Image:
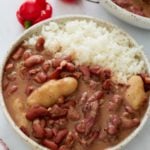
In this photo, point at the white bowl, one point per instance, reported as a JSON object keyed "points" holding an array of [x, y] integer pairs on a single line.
{"points": [[35, 29], [123, 14]]}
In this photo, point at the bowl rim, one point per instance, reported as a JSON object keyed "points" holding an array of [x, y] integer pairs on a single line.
{"points": [[113, 8], [33, 30]]}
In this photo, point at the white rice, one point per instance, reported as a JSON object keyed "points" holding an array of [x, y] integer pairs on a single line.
{"points": [[92, 44]]}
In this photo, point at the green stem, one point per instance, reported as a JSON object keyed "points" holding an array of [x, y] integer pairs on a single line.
{"points": [[27, 24]]}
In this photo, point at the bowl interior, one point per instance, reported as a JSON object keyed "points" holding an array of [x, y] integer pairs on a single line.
{"points": [[123, 14], [36, 29]]}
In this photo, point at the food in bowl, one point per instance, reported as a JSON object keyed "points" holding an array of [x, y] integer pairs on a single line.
{"points": [[139, 7], [76, 85]]}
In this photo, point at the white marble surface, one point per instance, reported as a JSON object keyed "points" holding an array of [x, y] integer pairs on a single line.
{"points": [[10, 29]]}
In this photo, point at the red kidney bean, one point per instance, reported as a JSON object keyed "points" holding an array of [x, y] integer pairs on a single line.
{"points": [[18, 54], [36, 112], [105, 74], [95, 70], [48, 133], [13, 89], [60, 136], [85, 71], [9, 67], [41, 77], [40, 44], [56, 62], [26, 54], [107, 84], [46, 66], [33, 60], [38, 130], [73, 114], [70, 67], [57, 111], [24, 130], [147, 80], [50, 144]]}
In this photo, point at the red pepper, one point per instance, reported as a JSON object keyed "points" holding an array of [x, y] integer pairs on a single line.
{"points": [[33, 11]]}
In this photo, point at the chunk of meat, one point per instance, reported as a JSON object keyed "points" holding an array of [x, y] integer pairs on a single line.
{"points": [[90, 110], [49, 93], [73, 114], [92, 102], [135, 95]]}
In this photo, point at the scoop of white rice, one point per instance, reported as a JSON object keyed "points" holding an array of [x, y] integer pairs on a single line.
{"points": [[93, 44]]}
